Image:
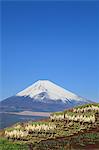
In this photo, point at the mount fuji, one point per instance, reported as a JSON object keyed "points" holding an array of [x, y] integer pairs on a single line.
{"points": [[43, 96]]}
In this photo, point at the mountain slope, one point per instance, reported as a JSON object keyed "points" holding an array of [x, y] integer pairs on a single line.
{"points": [[43, 95], [44, 89]]}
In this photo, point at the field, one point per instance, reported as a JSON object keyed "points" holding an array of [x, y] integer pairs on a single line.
{"points": [[77, 128]]}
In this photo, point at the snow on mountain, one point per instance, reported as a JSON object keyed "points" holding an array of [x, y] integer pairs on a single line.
{"points": [[44, 89], [42, 96]]}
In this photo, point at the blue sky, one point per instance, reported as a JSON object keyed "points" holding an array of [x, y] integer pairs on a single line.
{"points": [[57, 41]]}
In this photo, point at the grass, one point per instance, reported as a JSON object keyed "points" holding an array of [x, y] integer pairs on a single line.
{"points": [[93, 136], [9, 145], [73, 133], [39, 123], [87, 105]]}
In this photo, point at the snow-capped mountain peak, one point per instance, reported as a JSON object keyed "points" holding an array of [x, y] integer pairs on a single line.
{"points": [[45, 89]]}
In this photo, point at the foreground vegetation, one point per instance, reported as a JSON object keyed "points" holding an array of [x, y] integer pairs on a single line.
{"points": [[8, 145], [77, 128]]}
